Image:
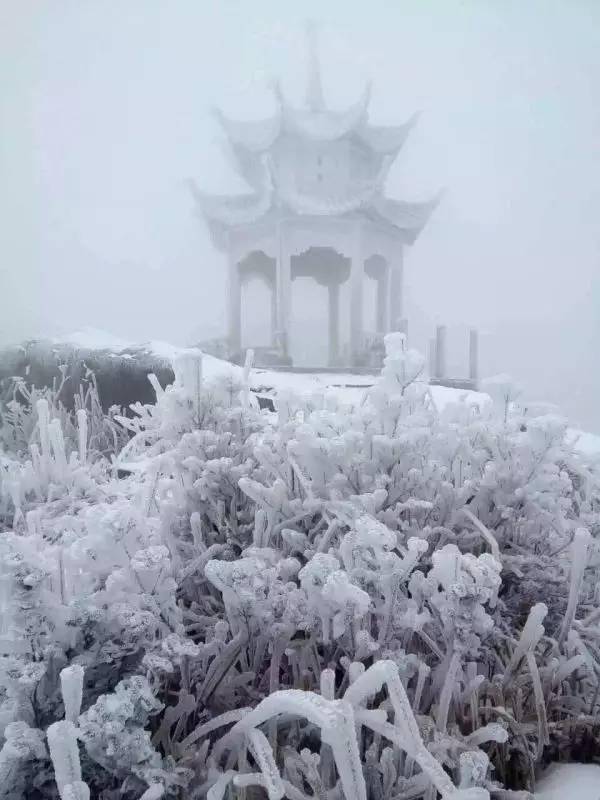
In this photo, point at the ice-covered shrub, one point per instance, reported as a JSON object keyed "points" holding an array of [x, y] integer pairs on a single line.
{"points": [[336, 601]]}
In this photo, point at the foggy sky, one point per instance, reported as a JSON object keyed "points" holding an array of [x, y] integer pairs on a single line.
{"points": [[105, 111]]}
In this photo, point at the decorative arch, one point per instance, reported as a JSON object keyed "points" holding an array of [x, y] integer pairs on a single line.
{"points": [[257, 264], [377, 269], [330, 269], [258, 276]]}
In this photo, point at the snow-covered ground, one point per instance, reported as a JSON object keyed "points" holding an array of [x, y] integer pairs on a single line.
{"points": [[350, 387], [570, 782]]}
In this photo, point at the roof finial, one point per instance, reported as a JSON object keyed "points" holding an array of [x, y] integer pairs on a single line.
{"points": [[314, 90]]}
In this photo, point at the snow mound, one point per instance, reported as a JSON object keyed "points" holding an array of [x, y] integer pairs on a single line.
{"points": [[89, 338]]}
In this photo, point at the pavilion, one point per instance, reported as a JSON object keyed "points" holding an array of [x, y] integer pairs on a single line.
{"points": [[316, 208]]}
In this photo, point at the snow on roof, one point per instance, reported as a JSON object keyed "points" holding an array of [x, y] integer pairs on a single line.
{"points": [[235, 210], [325, 125], [403, 215], [256, 136], [239, 210], [384, 139], [251, 143]]}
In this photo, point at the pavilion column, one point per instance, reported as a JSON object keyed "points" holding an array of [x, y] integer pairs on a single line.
{"points": [[383, 284], [395, 290], [440, 352], [284, 286], [356, 300], [274, 323], [334, 323], [235, 305]]}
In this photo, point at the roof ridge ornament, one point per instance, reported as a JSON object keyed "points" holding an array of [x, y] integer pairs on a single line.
{"points": [[315, 99]]}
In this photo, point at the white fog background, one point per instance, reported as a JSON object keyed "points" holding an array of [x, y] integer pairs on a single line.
{"points": [[105, 112]]}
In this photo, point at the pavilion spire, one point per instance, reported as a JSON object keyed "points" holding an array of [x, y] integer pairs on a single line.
{"points": [[314, 90]]}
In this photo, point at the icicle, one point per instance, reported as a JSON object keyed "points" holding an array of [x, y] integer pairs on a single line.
{"points": [[219, 788], [246, 377], [154, 382], [58, 448], [328, 684], [446, 693], [82, 434], [263, 755], [492, 732], [355, 670], [62, 741], [6, 590], [76, 791], [334, 717], [197, 532], [188, 376], [579, 558], [540, 703], [43, 422], [530, 636], [71, 684]]}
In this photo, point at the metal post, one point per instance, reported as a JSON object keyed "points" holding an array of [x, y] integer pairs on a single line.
{"points": [[474, 355]]}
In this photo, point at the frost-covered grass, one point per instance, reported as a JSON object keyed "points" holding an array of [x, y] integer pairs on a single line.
{"points": [[376, 599]]}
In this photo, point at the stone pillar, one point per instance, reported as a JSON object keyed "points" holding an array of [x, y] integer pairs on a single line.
{"points": [[356, 300], [440, 351], [395, 292], [284, 284], [474, 355], [334, 323], [234, 296], [383, 290]]}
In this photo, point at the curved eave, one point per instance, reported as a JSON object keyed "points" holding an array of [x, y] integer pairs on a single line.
{"points": [[256, 136], [251, 166], [386, 140], [232, 211], [409, 218]]}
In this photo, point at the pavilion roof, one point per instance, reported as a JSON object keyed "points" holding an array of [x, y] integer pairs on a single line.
{"points": [[323, 125], [274, 189], [231, 212]]}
